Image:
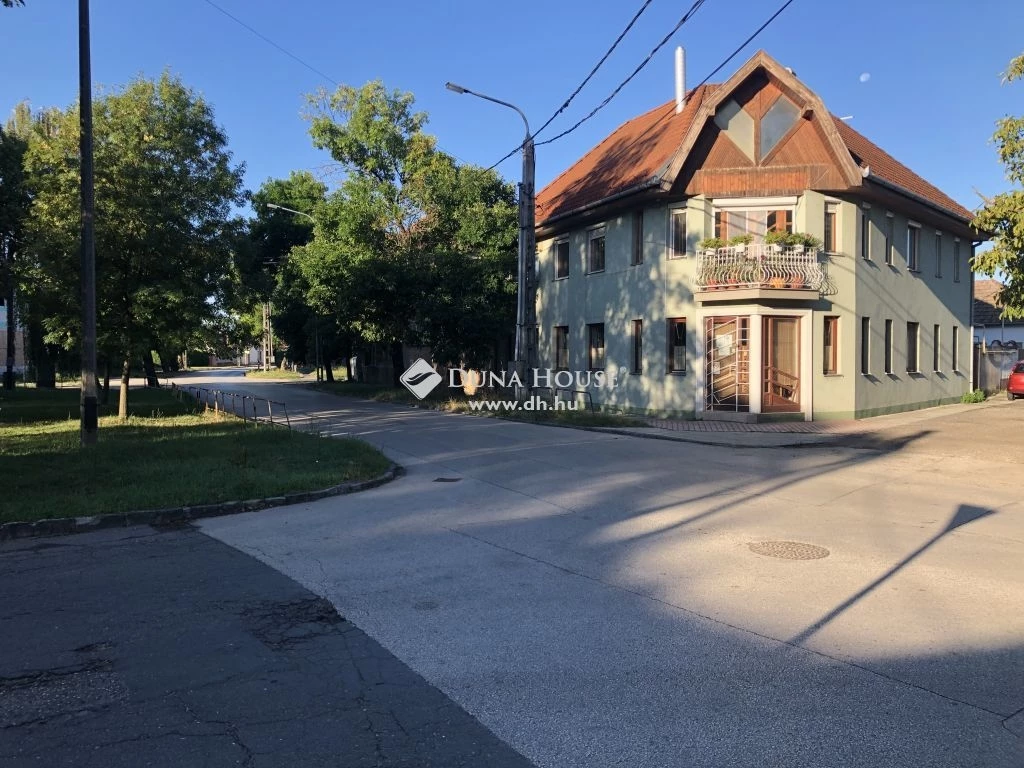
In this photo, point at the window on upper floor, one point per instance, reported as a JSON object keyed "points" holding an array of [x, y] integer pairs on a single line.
{"points": [[637, 253], [776, 123], [561, 259], [595, 250], [956, 260], [677, 233], [829, 243], [914, 247], [938, 254], [865, 233], [730, 222], [890, 239]]}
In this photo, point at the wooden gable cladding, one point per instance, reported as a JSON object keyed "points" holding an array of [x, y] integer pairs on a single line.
{"points": [[802, 159]]}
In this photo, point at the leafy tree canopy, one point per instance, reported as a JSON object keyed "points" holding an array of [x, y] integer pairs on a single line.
{"points": [[1003, 215]]}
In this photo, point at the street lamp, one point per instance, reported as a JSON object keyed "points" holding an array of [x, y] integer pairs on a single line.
{"points": [[277, 207], [525, 302], [316, 317]]}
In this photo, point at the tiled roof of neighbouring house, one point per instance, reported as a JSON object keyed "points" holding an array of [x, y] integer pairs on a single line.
{"points": [[986, 306]]}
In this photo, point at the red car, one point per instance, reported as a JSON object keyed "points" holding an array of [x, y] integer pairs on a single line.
{"points": [[1015, 386]]}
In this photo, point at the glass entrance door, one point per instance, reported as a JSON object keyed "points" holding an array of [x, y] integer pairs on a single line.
{"points": [[781, 340], [727, 364]]}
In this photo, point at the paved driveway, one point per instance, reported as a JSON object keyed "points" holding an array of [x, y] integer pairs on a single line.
{"points": [[596, 600]]}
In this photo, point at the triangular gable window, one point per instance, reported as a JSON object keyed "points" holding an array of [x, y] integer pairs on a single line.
{"points": [[776, 123]]}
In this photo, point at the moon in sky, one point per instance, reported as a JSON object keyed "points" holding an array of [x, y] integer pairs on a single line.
{"points": [[865, 76]]}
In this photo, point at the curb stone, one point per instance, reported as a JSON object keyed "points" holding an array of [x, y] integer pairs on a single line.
{"points": [[62, 526]]}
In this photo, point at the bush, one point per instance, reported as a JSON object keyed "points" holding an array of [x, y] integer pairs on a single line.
{"points": [[974, 396]]}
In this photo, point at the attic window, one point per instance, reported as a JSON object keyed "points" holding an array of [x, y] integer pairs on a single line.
{"points": [[776, 123], [737, 125]]}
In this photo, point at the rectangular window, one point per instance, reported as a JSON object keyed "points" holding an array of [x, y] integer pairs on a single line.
{"points": [[638, 346], [831, 346], [936, 349], [865, 345], [956, 260], [830, 228], [677, 248], [561, 259], [888, 346], [956, 349], [890, 239], [595, 346], [913, 337], [562, 347], [595, 250], [938, 254], [638, 239], [865, 235], [913, 247], [756, 223], [677, 345]]}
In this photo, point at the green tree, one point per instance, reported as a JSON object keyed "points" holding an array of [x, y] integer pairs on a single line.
{"points": [[1003, 215], [165, 186], [410, 243], [14, 201]]}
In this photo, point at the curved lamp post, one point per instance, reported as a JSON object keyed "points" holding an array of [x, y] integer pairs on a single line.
{"points": [[525, 301]]}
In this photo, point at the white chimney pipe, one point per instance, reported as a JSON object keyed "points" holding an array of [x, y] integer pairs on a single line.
{"points": [[680, 79]]}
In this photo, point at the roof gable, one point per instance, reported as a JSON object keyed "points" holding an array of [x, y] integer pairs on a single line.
{"points": [[653, 150]]}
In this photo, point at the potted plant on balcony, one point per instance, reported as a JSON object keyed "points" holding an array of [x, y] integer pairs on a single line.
{"points": [[740, 242], [710, 245], [775, 240]]}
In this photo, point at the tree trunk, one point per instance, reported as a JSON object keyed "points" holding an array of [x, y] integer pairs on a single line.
{"points": [[42, 359], [150, 367], [397, 363], [11, 339], [328, 370], [106, 381], [122, 402]]}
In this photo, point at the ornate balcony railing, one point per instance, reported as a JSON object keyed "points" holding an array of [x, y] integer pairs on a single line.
{"points": [[760, 266]]}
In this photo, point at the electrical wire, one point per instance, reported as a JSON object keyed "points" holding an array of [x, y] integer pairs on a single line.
{"points": [[267, 40], [575, 93], [685, 18]]}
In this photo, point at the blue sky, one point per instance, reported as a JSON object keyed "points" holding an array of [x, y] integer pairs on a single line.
{"points": [[931, 98]]}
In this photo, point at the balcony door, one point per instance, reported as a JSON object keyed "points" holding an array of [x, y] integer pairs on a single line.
{"points": [[781, 380]]}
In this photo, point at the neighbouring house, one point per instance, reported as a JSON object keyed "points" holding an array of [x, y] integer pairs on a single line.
{"points": [[19, 344], [871, 314], [989, 325]]}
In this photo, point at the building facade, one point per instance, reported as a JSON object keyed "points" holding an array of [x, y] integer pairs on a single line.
{"points": [[746, 255]]}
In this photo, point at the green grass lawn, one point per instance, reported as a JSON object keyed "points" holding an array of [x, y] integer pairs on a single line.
{"points": [[167, 454]]}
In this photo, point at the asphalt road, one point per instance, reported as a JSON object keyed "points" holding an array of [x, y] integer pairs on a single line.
{"points": [[598, 600], [132, 648]]}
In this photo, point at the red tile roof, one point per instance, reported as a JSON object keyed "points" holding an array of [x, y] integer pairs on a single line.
{"points": [[639, 148], [631, 155], [886, 167], [987, 309]]}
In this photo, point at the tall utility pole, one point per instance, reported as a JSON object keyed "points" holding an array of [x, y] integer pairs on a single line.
{"points": [[526, 298], [89, 414]]}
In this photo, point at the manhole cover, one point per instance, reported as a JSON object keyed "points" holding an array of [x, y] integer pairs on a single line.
{"points": [[789, 550]]}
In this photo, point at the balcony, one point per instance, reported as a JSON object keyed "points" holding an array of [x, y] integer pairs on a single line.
{"points": [[759, 271]]}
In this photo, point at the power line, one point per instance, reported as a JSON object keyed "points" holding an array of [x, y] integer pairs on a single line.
{"points": [[744, 44], [586, 80], [295, 57], [670, 108], [686, 17], [267, 40]]}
